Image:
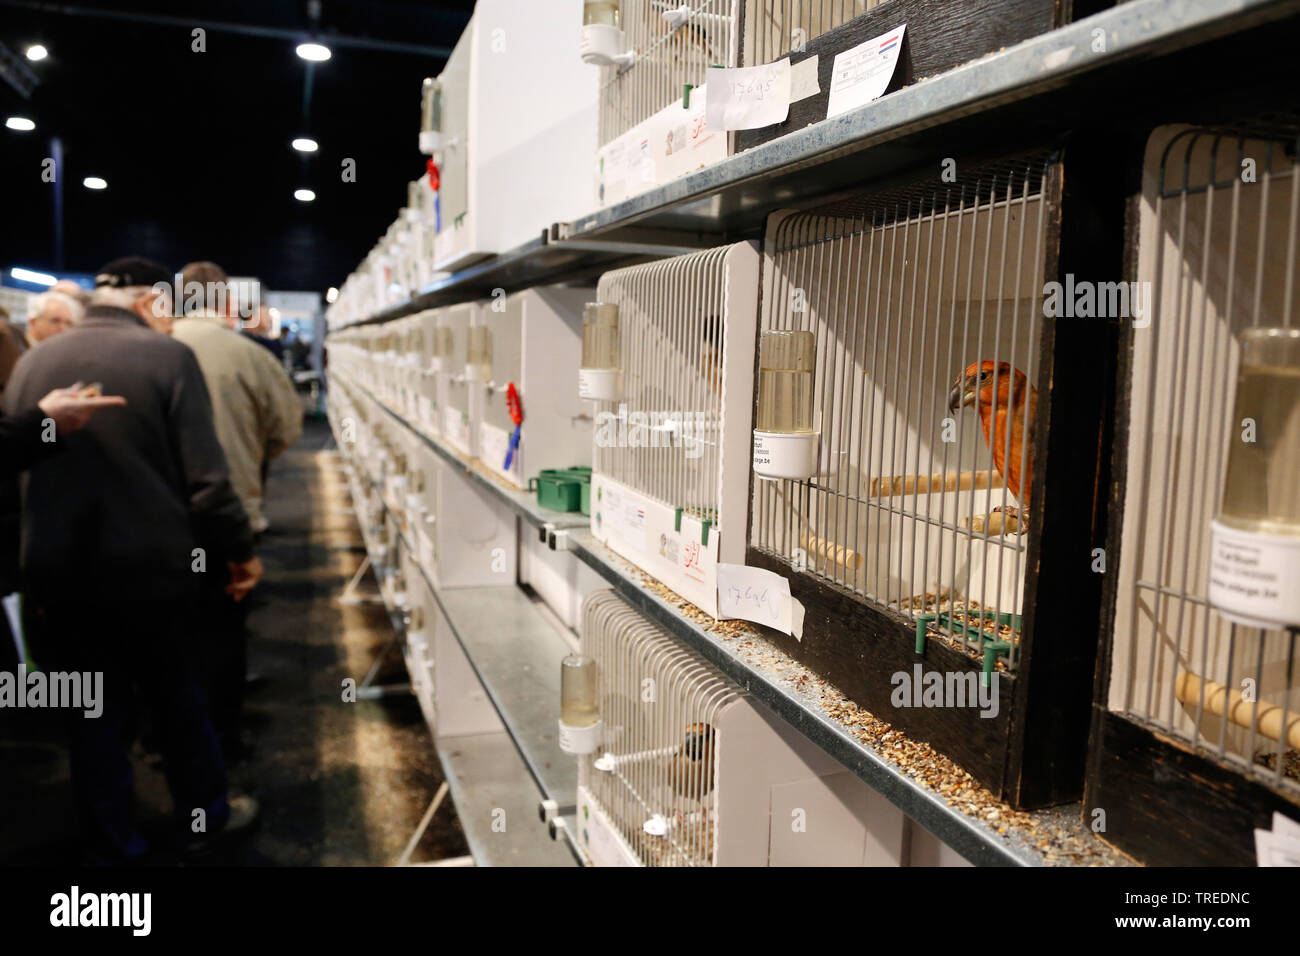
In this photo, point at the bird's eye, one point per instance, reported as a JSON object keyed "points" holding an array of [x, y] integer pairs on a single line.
{"points": [[984, 376]]}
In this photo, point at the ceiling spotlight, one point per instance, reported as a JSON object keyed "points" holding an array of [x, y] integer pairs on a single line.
{"points": [[94, 182], [304, 195], [36, 278], [20, 123], [315, 52], [36, 52], [304, 145], [331, 294]]}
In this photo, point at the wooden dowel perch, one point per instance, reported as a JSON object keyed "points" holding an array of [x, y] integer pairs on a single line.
{"points": [[997, 523], [1218, 699], [933, 484], [832, 553]]}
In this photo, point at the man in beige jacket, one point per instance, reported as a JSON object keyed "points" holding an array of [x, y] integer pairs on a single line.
{"points": [[258, 412], [258, 415]]}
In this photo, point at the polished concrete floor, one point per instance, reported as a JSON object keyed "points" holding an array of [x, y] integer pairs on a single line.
{"points": [[340, 783]]}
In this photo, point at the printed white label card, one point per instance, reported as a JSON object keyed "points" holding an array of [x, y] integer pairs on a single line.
{"points": [[862, 73]]}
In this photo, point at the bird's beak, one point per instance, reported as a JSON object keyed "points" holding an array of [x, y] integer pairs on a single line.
{"points": [[959, 396]]}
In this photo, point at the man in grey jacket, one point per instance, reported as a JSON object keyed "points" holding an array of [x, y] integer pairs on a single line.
{"points": [[111, 560]]}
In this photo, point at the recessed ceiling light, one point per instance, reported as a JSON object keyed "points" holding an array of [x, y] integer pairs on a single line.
{"points": [[20, 123], [315, 52], [331, 294], [305, 145], [27, 275], [37, 52], [94, 182], [304, 195]]}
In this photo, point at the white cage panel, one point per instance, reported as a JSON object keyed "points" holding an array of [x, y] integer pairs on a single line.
{"points": [[1219, 252], [670, 466], [473, 533], [428, 415], [694, 773], [519, 104], [915, 503], [421, 611], [453, 383], [560, 578], [536, 344]]}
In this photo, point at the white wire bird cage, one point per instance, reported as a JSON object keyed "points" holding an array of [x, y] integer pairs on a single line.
{"points": [[651, 125], [1219, 250], [692, 772], [671, 458], [925, 304]]}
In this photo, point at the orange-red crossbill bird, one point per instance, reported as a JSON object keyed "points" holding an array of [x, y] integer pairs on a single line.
{"points": [[1013, 391]]}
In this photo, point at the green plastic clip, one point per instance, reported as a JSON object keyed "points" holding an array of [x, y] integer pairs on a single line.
{"points": [[992, 649], [922, 622], [686, 95], [704, 532], [677, 520]]}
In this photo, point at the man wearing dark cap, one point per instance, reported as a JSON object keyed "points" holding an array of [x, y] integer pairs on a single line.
{"points": [[110, 555]]}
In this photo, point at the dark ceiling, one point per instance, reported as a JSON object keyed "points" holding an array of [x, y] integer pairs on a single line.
{"points": [[195, 146]]}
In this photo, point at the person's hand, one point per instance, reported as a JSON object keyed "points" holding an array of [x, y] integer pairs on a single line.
{"points": [[72, 407], [244, 576]]}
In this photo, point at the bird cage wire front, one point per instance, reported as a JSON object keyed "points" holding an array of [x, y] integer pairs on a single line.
{"points": [[774, 28], [669, 420], [925, 302], [668, 59], [655, 774], [1219, 248]]}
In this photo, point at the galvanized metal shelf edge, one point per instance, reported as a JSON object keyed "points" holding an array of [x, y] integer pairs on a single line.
{"points": [[1133, 29], [536, 262]]}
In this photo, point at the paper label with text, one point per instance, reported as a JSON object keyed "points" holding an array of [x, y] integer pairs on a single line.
{"points": [[862, 73], [1254, 576], [752, 96], [758, 595]]}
